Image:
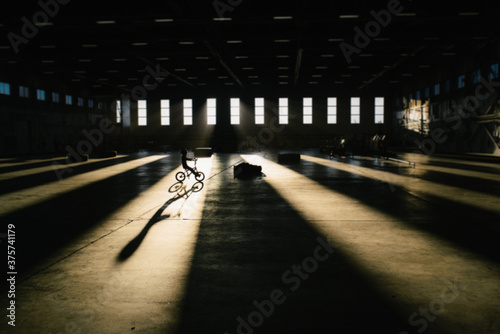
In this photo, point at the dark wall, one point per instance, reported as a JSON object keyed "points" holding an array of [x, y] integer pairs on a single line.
{"points": [[29, 126]]}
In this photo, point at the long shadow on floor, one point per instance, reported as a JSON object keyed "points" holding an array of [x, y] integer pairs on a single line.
{"points": [[249, 249], [477, 184], [469, 227], [28, 181], [44, 228], [181, 192], [25, 164]]}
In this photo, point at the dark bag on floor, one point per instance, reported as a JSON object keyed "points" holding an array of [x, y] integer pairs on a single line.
{"points": [[246, 171]]}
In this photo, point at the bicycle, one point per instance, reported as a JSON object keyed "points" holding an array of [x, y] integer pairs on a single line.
{"points": [[181, 176]]}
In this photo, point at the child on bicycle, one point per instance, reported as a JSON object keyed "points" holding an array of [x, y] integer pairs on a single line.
{"points": [[184, 159]]}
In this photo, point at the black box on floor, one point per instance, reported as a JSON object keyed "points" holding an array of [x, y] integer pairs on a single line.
{"points": [[105, 154], [203, 152], [289, 158], [247, 171]]}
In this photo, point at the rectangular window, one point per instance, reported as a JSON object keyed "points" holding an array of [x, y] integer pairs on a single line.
{"points": [[461, 81], [40, 95], [476, 77], [259, 110], [165, 112], [188, 111], [142, 113], [69, 100], [24, 91], [100, 105], [235, 111], [118, 105], [447, 86], [56, 98], [437, 88], [211, 111], [331, 112], [379, 110], [494, 71], [355, 110], [308, 110], [91, 104], [80, 102], [4, 88], [283, 110]]}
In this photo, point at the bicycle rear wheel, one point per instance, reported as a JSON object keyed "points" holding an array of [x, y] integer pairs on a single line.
{"points": [[180, 176]]}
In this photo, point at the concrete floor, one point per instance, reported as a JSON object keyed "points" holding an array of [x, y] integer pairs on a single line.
{"points": [[342, 245]]}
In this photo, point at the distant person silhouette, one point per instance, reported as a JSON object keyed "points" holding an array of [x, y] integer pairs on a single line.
{"points": [[184, 152]]}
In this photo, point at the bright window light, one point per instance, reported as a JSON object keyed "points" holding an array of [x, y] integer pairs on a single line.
{"points": [[308, 110], [142, 113], [69, 100], [165, 112], [55, 97], [118, 105], [211, 111], [235, 111], [332, 110], [379, 110], [259, 110], [188, 111], [355, 110], [283, 110]]}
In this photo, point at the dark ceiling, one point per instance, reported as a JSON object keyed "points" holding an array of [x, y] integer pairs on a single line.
{"points": [[105, 47]]}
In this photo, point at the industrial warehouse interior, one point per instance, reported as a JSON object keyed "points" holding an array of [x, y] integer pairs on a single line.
{"points": [[240, 167]]}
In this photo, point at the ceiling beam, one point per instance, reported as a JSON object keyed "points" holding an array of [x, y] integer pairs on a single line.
{"points": [[218, 57], [166, 71], [298, 63]]}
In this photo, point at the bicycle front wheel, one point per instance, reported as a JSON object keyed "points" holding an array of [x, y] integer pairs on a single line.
{"points": [[200, 177]]}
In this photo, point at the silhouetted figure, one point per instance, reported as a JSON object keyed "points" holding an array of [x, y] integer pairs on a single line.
{"points": [[184, 152]]}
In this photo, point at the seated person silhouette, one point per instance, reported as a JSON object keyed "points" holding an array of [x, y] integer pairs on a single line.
{"points": [[184, 161]]}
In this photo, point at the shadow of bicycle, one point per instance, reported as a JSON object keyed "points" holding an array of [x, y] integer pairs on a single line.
{"points": [[181, 192]]}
